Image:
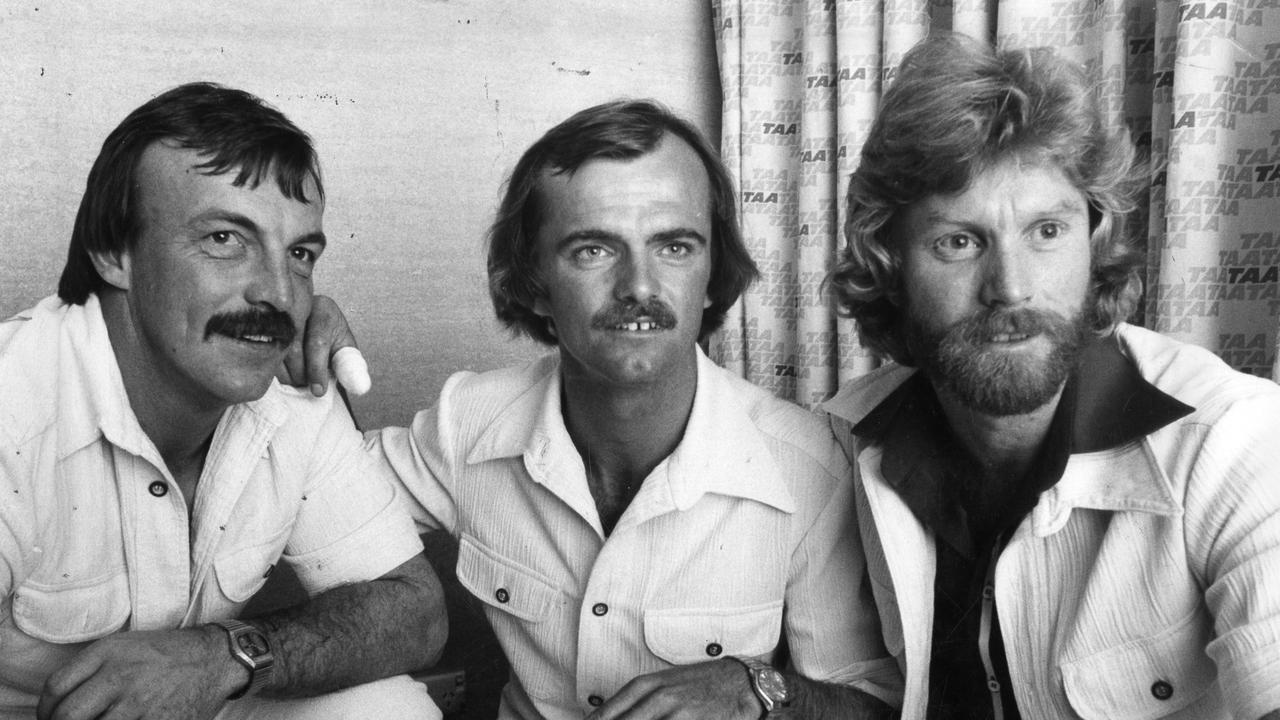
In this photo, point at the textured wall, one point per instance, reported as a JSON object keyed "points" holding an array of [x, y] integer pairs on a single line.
{"points": [[419, 110]]}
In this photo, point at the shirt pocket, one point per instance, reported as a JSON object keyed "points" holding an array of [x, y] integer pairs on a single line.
{"points": [[73, 612], [522, 607], [1149, 677], [686, 636], [243, 571]]}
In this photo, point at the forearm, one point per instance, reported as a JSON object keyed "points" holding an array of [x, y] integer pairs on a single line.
{"points": [[358, 633], [813, 700]]}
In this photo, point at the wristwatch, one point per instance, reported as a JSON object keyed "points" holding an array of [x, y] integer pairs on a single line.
{"points": [[250, 648], [769, 685]]}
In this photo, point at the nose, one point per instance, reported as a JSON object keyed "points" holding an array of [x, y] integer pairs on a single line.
{"points": [[272, 285], [635, 280], [1006, 278]]}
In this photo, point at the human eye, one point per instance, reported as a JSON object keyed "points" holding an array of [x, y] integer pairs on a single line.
{"points": [[588, 254], [304, 259], [1049, 231], [304, 254], [957, 246], [223, 244], [677, 249]]}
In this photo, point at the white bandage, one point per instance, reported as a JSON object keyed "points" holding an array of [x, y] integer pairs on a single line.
{"points": [[352, 370]]}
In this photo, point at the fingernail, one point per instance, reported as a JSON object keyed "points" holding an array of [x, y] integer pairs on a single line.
{"points": [[317, 389]]}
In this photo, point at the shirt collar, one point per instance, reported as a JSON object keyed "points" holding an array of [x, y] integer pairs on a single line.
{"points": [[1107, 404], [91, 398], [92, 401], [722, 451]]}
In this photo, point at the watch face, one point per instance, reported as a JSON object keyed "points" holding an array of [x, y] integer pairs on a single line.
{"points": [[253, 643], [773, 684]]}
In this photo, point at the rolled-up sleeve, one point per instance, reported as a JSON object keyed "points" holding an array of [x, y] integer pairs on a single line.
{"points": [[349, 526], [421, 461]]}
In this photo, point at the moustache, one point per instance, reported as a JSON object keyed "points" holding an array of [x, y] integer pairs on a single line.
{"points": [[655, 312], [983, 326], [274, 324]]}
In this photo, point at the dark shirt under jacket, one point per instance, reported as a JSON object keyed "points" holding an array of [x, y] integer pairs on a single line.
{"points": [[1104, 405]]}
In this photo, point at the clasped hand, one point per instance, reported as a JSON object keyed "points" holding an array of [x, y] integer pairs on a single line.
{"points": [[717, 690], [160, 674]]}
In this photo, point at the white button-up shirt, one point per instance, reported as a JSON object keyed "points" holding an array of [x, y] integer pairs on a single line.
{"points": [[742, 536], [1144, 584], [95, 536]]}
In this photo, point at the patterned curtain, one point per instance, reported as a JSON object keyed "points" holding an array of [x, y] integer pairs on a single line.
{"points": [[1196, 83]]}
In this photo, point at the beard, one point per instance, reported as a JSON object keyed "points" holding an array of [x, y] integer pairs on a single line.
{"points": [[963, 360]]}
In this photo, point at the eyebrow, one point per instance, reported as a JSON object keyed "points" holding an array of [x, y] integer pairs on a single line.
{"points": [[663, 236], [1060, 208]]}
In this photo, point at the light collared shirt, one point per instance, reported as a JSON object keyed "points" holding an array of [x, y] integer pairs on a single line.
{"points": [[95, 536], [744, 535], [1142, 584]]}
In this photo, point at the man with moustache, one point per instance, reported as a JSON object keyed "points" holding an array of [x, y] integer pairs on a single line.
{"points": [[649, 533], [152, 474], [1064, 515]]}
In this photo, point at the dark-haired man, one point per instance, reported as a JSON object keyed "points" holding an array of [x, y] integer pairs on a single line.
{"points": [[151, 473], [1065, 516], [648, 532]]}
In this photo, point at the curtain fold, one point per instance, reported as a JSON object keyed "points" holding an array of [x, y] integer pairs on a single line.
{"points": [[1196, 84]]}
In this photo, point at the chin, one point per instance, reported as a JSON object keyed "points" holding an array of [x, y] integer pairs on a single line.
{"points": [[997, 385], [244, 390]]}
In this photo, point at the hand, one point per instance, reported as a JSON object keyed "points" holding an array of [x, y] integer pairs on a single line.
{"points": [[155, 674], [718, 689], [311, 355]]}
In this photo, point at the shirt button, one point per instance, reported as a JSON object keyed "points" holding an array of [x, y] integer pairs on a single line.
{"points": [[595, 700], [1161, 690], [988, 592], [714, 649], [599, 609], [158, 489], [993, 685], [502, 595]]}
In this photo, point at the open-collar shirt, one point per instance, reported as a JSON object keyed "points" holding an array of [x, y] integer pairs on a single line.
{"points": [[1105, 404], [740, 538], [1139, 583], [95, 536]]}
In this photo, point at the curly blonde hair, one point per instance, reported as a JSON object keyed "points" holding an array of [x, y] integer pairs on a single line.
{"points": [[957, 108]]}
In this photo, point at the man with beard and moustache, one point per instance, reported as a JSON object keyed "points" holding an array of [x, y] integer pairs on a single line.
{"points": [[1064, 515], [152, 474], [648, 532]]}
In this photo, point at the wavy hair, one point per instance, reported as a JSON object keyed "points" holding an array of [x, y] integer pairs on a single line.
{"points": [[234, 132], [618, 130], [957, 108]]}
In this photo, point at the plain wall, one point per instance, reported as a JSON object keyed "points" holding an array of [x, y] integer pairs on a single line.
{"points": [[418, 110]]}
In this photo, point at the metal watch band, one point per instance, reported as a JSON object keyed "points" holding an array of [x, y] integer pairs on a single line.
{"points": [[250, 647]]}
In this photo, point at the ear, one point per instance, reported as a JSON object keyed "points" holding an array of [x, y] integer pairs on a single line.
{"points": [[706, 302], [541, 307], [115, 267]]}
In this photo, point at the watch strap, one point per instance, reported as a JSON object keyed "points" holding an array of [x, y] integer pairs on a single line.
{"points": [[768, 685], [249, 647]]}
